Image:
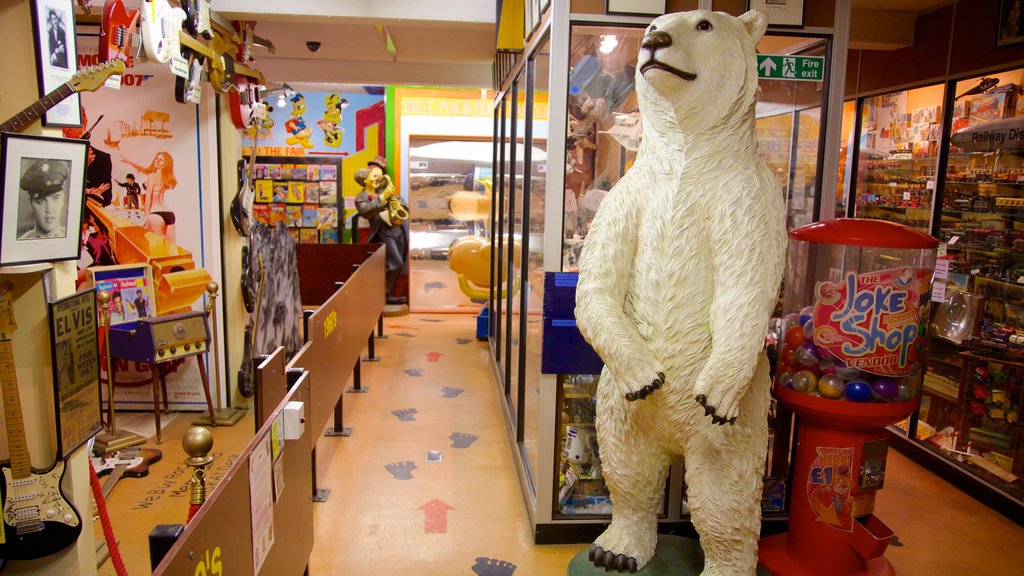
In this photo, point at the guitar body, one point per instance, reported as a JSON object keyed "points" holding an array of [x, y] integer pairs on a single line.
{"points": [[37, 520], [161, 25], [197, 17], [242, 102], [135, 460], [190, 90], [117, 33]]}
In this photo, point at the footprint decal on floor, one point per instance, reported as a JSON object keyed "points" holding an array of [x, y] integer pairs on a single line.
{"points": [[493, 567], [450, 392], [405, 414], [414, 372], [431, 320], [463, 341], [406, 334], [422, 204], [401, 470], [462, 440], [431, 286]]}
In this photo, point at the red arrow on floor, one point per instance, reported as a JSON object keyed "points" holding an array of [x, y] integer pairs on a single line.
{"points": [[435, 519], [433, 356]]}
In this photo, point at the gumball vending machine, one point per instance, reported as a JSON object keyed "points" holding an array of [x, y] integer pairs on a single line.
{"points": [[850, 364]]}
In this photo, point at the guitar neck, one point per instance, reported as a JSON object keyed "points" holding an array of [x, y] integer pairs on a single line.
{"points": [[21, 466], [188, 41], [33, 112]]}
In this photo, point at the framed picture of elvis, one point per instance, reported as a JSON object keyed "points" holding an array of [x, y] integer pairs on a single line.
{"points": [[41, 195], [53, 24]]}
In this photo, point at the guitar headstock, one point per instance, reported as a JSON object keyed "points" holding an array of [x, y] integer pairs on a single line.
{"points": [[7, 322], [92, 77]]}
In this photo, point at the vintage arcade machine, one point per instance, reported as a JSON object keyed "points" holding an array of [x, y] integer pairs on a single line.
{"points": [[850, 364]]}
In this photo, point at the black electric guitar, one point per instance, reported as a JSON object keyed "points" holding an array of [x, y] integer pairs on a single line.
{"points": [[37, 518]]}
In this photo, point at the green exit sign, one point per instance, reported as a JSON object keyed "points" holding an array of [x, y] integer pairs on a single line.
{"points": [[780, 67]]}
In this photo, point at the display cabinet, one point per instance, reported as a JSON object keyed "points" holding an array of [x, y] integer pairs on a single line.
{"points": [[971, 399], [898, 156], [583, 67]]}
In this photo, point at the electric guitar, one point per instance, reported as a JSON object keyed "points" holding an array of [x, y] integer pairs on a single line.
{"points": [[190, 89], [90, 79], [118, 39], [197, 17], [131, 462], [37, 518]]}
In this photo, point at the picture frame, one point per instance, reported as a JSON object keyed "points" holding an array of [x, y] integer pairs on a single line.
{"points": [[75, 355], [41, 223], [1010, 27], [53, 26], [782, 13], [634, 7]]}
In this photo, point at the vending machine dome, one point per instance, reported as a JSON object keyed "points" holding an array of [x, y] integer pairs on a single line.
{"points": [[850, 363], [855, 315]]}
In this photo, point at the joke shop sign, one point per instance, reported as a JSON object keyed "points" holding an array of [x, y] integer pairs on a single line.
{"points": [[872, 321]]}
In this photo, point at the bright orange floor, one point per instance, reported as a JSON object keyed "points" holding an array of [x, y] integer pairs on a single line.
{"points": [[375, 523]]}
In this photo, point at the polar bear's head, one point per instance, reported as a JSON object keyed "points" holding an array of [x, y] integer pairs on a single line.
{"points": [[696, 68]]}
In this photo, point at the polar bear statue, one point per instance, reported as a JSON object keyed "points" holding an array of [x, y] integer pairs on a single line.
{"points": [[678, 278]]}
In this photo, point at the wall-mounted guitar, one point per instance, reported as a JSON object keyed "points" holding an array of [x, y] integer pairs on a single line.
{"points": [[118, 37], [37, 519], [90, 79], [163, 39]]}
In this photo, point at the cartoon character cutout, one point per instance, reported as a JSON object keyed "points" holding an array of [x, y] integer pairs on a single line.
{"points": [[332, 108], [299, 133], [261, 130], [298, 104], [333, 134]]}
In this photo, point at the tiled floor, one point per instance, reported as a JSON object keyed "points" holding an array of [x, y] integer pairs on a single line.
{"points": [[386, 516]]}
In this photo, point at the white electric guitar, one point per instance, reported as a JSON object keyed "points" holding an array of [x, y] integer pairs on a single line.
{"points": [[161, 28], [37, 518]]}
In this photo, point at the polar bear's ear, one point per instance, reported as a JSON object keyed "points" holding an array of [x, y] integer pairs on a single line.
{"points": [[756, 23]]}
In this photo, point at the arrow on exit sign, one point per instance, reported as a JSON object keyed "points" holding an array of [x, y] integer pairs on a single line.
{"points": [[781, 67]]}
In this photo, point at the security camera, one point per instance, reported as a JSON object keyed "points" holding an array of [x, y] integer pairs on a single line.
{"points": [[313, 45]]}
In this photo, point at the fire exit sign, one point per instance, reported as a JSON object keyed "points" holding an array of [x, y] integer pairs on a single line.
{"points": [[780, 67]]}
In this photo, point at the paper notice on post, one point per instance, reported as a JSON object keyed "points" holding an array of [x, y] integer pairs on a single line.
{"points": [[261, 495], [939, 291], [941, 269]]}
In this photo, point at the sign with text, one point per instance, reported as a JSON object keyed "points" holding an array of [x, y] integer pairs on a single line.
{"points": [[781, 67]]}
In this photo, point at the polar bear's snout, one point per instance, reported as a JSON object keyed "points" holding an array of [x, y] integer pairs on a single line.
{"points": [[653, 40]]}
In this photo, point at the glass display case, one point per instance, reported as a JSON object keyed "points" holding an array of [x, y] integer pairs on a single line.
{"points": [[898, 156], [971, 404]]}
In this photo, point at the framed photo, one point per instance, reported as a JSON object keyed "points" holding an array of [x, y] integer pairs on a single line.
{"points": [[1011, 23], [780, 12], [53, 22], [643, 7], [74, 346], [41, 196]]}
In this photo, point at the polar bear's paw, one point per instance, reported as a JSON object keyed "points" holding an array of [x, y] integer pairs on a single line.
{"points": [[623, 549], [647, 390], [723, 410]]}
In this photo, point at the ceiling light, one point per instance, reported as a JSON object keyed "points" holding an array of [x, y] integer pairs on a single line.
{"points": [[281, 102], [608, 43]]}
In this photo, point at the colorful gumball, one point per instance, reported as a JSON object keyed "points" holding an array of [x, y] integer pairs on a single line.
{"points": [[831, 386], [794, 337], [905, 391], [827, 367], [805, 314], [823, 352], [807, 355], [790, 320], [980, 374], [787, 356], [808, 330], [884, 389], [786, 379], [846, 372], [858, 391], [804, 381]]}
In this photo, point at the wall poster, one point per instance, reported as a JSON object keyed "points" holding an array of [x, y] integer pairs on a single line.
{"points": [[74, 344]]}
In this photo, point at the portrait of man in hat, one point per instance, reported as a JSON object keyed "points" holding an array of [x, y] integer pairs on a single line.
{"points": [[44, 186]]}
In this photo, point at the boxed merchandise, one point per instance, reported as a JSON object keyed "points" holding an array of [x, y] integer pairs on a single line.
{"points": [[307, 236], [276, 214], [264, 191], [309, 215], [327, 217], [328, 172], [273, 171], [296, 192], [293, 216], [311, 192], [329, 236], [328, 192], [280, 192], [988, 106], [313, 172], [261, 213]]}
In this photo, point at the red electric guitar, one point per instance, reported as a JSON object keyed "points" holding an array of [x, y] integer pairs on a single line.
{"points": [[118, 37]]}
